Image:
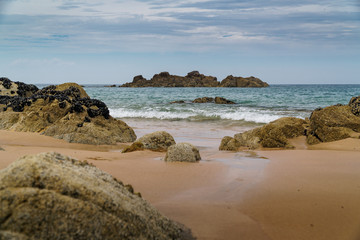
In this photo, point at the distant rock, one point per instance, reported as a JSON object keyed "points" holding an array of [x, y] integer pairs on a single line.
{"points": [[334, 123], [231, 81], [64, 111], [164, 79], [193, 79], [271, 135], [179, 101], [182, 152], [51, 196], [203, 100], [110, 86], [157, 141], [216, 100], [220, 100]]}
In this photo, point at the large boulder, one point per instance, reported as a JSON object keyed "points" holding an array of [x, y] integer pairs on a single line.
{"points": [[334, 123], [182, 152], [157, 141], [66, 112], [51, 196], [231, 81], [271, 135]]}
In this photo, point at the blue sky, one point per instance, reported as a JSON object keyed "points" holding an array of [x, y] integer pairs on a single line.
{"points": [[93, 41]]}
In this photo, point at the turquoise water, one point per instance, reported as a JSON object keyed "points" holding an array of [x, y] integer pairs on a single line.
{"points": [[253, 105]]}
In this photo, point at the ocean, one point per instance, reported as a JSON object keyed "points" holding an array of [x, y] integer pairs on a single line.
{"points": [[253, 105]]}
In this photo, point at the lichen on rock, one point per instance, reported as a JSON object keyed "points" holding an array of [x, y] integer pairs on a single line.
{"points": [[182, 152], [64, 111], [334, 123], [272, 135], [51, 196], [158, 141]]}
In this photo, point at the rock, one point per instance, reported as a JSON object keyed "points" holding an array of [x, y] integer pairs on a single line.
{"points": [[216, 100], [193, 79], [231, 81], [355, 105], [51, 196], [8, 235], [182, 152], [157, 141], [1, 149], [229, 144], [136, 146], [220, 100], [334, 123], [165, 79], [65, 112], [110, 86], [9, 88], [271, 135], [179, 101], [203, 100]]}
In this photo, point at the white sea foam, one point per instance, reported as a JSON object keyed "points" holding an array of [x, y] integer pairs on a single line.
{"points": [[248, 115]]}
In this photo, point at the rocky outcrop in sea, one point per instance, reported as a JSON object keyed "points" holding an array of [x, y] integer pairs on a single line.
{"points": [[193, 79], [324, 125], [51, 196], [64, 111], [231, 81]]}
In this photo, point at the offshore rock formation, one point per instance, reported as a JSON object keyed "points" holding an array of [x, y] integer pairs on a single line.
{"points": [[64, 111], [216, 100], [51, 196], [193, 79], [329, 124], [157, 141], [164, 79], [182, 152], [231, 81], [271, 135]]}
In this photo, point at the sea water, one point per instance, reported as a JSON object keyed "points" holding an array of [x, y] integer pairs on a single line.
{"points": [[254, 106]]}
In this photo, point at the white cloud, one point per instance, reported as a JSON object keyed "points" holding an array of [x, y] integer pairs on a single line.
{"points": [[46, 62]]}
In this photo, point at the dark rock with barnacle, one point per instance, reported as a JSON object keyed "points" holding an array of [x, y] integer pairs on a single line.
{"points": [[64, 111]]}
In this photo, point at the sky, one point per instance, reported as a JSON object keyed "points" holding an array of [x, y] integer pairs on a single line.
{"points": [[110, 42]]}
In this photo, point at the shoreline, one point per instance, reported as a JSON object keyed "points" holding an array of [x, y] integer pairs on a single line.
{"points": [[252, 194]]}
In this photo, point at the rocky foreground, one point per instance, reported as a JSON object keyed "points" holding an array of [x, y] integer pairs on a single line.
{"points": [[324, 125], [193, 79], [64, 111], [51, 196]]}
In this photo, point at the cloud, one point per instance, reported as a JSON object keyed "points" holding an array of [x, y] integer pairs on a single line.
{"points": [[46, 62], [157, 25]]}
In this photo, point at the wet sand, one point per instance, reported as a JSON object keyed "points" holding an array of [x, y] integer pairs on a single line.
{"points": [[278, 194]]}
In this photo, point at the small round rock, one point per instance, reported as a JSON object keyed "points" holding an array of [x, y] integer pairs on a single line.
{"points": [[182, 152]]}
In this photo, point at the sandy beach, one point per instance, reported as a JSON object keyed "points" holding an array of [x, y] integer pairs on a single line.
{"points": [[306, 193]]}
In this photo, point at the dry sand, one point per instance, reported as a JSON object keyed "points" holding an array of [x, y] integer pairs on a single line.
{"points": [[293, 194]]}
